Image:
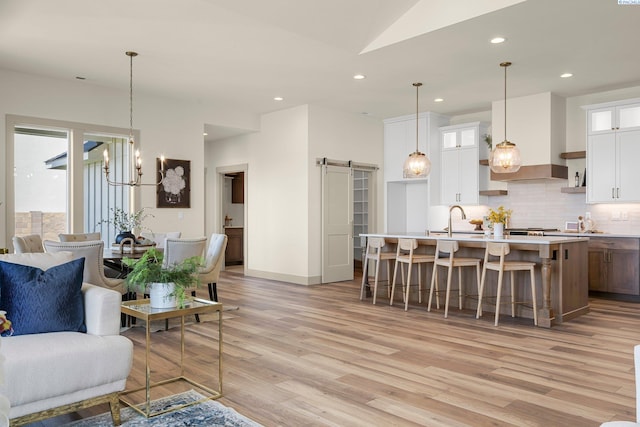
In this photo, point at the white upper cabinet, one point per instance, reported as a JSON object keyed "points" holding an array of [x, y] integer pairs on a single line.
{"points": [[613, 147], [613, 117], [460, 155]]}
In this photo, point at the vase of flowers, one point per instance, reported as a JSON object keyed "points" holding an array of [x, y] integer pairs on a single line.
{"points": [[499, 218], [127, 222]]}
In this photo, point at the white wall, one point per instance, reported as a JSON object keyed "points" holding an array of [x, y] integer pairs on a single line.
{"points": [[169, 126], [283, 197], [277, 192]]}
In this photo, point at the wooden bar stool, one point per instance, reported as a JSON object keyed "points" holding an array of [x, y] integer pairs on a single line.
{"points": [[451, 247], [405, 255], [374, 253], [501, 250]]}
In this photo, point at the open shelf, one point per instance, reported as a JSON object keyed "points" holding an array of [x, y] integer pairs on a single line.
{"points": [[493, 192], [573, 155], [574, 190]]}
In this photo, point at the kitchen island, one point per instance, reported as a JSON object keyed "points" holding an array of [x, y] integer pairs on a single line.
{"points": [[562, 277]]}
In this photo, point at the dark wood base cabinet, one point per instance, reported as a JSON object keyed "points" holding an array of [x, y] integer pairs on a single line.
{"points": [[234, 254], [614, 265]]}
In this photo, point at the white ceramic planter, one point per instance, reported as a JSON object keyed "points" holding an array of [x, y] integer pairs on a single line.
{"points": [[498, 230], [162, 295]]}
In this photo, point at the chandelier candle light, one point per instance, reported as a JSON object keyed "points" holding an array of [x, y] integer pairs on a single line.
{"points": [[417, 164], [505, 158], [134, 154]]}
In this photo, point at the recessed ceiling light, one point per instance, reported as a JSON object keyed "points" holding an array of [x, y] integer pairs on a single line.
{"points": [[278, 98], [359, 76], [497, 40], [438, 100], [566, 75], [205, 134]]}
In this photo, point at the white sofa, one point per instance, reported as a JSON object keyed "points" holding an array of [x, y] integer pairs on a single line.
{"points": [[48, 374]]}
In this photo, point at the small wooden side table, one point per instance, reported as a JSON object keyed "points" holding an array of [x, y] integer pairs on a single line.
{"points": [[140, 309]]}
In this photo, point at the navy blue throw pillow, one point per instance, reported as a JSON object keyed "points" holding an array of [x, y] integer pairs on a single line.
{"points": [[38, 301]]}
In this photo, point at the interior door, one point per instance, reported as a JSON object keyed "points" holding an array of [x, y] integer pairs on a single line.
{"points": [[337, 224]]}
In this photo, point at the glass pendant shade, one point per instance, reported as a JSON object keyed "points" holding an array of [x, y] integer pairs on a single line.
{"points": [[417, 165], [505, 158]]}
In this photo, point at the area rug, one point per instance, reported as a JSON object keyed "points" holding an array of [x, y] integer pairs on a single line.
{"points": [[208, 413]]}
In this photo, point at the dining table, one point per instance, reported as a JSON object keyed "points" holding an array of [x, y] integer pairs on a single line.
{"points": [[113, 255]]}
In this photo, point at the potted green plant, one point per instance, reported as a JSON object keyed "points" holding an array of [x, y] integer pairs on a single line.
{"points": [[127, 222], [165, 285]]}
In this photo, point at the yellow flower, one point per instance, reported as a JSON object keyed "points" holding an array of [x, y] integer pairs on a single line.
{"points": [[500, 215]]}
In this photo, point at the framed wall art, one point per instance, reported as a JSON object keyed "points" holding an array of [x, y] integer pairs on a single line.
{"points": [[175, 190]]}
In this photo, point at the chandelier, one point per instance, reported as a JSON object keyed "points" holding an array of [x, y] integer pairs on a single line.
{"points": [[135, 162], [505, 157], [417, 164]]}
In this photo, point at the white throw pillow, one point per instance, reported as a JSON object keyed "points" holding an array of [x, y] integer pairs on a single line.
{"points": [[43, 261]]}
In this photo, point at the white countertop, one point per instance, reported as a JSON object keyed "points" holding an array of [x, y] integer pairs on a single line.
{"points": [[474, 237], [603, 234]]}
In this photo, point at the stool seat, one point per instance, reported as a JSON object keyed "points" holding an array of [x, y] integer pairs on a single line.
{"points": [[374, 252], [405, 255], [501, 250]]}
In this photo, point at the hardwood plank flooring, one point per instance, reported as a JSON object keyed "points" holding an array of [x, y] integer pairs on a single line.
{"points": [[318, 356]]}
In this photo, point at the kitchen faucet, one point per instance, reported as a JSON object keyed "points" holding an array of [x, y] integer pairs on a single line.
{"points": [[464, 216]]}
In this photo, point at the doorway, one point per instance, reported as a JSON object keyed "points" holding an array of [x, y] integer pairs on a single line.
{"points": [[232, 211]]}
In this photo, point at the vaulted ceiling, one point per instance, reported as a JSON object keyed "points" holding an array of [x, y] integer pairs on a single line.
{"points": [[243, 53]]}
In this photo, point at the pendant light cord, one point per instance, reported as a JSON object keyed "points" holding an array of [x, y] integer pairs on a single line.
{"points": [[505, 103], [417, 85], [131, 96], [505, 65], [131, 54]]}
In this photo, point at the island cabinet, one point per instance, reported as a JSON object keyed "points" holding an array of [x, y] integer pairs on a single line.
{"points": [[560, 274], [614, 265], [461, 152], [613, 147]]}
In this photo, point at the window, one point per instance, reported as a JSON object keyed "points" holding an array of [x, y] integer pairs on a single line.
{"points": [[58, 183]]}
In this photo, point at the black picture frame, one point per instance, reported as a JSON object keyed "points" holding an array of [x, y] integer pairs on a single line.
{"points": [[175, 189]]}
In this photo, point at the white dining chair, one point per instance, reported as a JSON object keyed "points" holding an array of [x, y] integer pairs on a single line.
{"points": [[78, 237], [177, 250], [213, 262], [93, 253], [30, 243]]}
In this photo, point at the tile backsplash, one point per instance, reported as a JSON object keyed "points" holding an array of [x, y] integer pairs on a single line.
{"points": [[541, 204]]}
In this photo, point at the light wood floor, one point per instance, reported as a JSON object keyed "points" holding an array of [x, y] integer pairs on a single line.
{"points": [[307, 356]]}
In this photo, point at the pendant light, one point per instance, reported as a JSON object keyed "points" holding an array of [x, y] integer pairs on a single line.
{"points": [[135, 166], [505, 157], [417, 164]]}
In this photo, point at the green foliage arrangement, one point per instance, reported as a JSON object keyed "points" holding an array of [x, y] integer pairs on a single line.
{"points": [[127, 221], [149, 269]]}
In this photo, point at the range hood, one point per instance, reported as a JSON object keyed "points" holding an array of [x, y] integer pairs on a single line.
{"points": [[536, 124], [545, 171]]}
